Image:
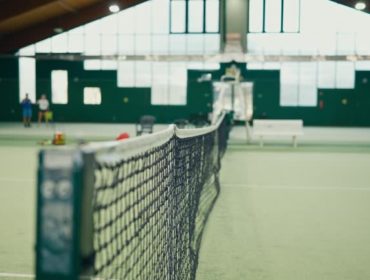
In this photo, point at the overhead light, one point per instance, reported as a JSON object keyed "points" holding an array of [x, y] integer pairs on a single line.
{"points": [[58, 30], [360, 6], [114, 8]]}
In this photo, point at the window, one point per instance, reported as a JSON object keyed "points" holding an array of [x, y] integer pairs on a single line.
{"points": [[345, 75], [59, 43], [256, 15], [158, 27], [298, 84], [272, 16], [307, 84], [143, 73], [299, 81], [194, 16], [291, 16], [27, 78], [160, 94], [92, 96], [289, 84], [178, 16], [326, 74], [126, 74], [212, 16], [59, 86]]}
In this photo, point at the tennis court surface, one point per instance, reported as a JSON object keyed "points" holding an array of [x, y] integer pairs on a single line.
{"points": [[282, 213]]}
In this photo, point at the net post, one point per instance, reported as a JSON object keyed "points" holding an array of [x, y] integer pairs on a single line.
{"points": [[58, 215], [87, 226]]}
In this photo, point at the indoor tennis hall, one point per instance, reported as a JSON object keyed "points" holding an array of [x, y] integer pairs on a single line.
{"points": [[185, 140]]}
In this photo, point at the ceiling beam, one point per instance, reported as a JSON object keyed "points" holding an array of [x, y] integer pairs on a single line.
{"points": [[214, 58], [12, 8], [12, 42], [352, 3]]}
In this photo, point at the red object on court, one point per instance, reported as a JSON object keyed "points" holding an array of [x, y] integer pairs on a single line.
{"points": [[59, 138], [123, 136]]}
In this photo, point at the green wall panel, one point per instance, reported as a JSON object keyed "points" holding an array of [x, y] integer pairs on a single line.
{"points": [[118, 104], [336, 107], [9, 104]]}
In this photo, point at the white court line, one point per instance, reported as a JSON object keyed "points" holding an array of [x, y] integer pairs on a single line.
{"points": [[16, 180], [16, 275], [266, 187], [32, 276]]}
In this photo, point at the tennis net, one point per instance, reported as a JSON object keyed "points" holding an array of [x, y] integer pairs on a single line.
{"points": [[145, 203]]}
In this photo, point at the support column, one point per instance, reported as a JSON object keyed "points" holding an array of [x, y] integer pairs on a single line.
{"points": [[235, 21]]}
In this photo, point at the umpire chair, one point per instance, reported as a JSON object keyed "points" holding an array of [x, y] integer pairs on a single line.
{"points": [[145, 125]]}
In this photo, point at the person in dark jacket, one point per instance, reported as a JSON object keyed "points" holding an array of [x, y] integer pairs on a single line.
{"points": [[26, 111]]}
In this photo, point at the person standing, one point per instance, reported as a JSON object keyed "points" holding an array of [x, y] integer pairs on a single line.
{"points": [[26, 111], [43, 108]]}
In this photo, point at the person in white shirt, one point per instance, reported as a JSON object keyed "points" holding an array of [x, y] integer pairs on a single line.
{"points": [[43, 108]]}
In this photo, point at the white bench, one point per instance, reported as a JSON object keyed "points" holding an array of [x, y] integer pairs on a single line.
{"points": [[291, 128]]}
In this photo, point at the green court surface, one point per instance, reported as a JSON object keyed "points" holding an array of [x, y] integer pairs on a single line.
{"points": [[287, 213], [283, 213], [17, 208]]}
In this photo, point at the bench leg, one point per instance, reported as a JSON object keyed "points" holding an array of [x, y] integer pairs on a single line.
{"points": [[295, 141], [261, 141], [248, 132]]}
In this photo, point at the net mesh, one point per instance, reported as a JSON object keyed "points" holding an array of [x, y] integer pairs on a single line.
{"points": [[150, 209]]}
